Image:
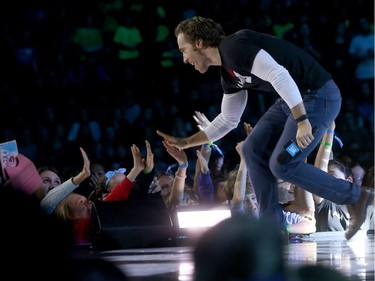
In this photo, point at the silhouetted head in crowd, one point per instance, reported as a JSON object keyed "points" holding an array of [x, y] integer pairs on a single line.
{"points": [[35, 244], [40, 247], [240, 248]]}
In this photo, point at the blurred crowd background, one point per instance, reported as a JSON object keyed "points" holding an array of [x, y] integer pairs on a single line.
{"points": [[106, 74]]}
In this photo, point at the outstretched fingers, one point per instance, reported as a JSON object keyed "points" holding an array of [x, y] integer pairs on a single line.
{"points": [[86, 162]]}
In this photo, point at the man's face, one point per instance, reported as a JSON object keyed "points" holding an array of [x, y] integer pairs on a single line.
{"points": [[193, 54]]}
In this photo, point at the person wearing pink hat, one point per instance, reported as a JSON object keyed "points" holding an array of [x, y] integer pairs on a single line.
{"points": [[23, 176]]}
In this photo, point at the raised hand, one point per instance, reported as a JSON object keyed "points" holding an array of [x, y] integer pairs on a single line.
{"points": [[149, 161], [239, 149], [248, 128], [177, 154], [201, 120], [203, 162], [179, 143], [86, 172], [86, 163], [137, 157], [138, 163]]}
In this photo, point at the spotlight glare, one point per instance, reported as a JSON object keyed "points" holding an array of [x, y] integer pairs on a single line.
{"points": [[201, 218]]}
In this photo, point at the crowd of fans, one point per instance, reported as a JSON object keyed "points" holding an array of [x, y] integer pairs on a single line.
{"points": [[106, 74]]}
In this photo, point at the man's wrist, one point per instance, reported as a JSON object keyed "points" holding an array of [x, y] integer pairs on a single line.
{"points": [[301, 118]]}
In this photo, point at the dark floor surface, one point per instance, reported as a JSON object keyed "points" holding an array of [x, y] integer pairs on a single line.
{"points": [[331, 249]]}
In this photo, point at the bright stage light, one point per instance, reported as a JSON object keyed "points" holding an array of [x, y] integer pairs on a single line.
{"points": [[201, 216]]}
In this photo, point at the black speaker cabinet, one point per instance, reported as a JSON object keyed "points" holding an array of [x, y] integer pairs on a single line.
{"points": [[131, 224]]}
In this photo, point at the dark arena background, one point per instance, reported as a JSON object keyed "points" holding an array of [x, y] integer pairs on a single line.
{"points": [[68, 80]]}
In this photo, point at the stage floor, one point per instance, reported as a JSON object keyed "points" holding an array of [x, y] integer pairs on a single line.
{"points": [[331, 249]]}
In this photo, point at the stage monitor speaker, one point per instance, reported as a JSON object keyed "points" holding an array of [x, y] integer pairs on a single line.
{"points": [[131, 224]]}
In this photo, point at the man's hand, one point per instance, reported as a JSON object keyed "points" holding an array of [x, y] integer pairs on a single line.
{"points": [[201, 120], [304, 134], [179, 143]]}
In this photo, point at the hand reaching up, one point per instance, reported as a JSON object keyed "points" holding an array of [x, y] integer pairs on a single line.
{"points": [[137, 157], [179, 143], [203, 162], [201, 120], [149, 161], [239, 149], [138, 163], [86, 172], [248, 128], [178, 155]]}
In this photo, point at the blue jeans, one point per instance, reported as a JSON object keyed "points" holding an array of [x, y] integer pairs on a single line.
{"points": [[273, 130]]}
